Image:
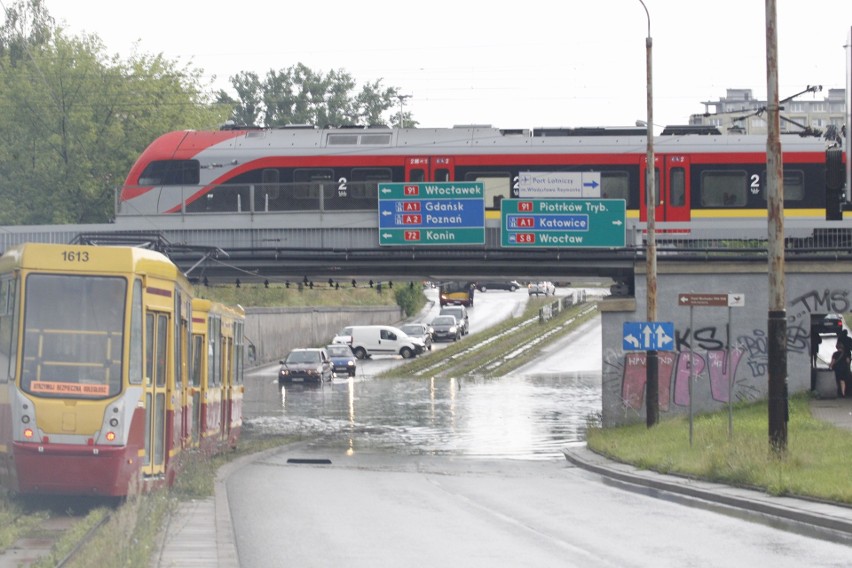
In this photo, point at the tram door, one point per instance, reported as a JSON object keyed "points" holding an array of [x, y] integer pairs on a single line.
{"points": [[671, 178], [156, 367]]}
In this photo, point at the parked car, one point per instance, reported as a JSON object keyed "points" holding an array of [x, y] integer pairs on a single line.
{"points": [[342, 358], [420, 331], [446, 328], [344, 336], [460, 313], [510, 285], [309, 365], [369, 340], [543, 288], [827, 323]]}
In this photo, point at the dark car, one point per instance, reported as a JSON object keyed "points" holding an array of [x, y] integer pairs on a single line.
{"points": [[446, 328], [420, 331], [510, 285], [460, 313], [310, 365], [342, 358], [827, 323]]}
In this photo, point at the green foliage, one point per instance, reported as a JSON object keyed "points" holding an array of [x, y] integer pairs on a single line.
{"points": [[301, 95], [296, 295], [814, 465], [410, 298], [75, 119]]}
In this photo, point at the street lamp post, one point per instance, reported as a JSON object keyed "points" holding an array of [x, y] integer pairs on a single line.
{"points": [[652, 387]]}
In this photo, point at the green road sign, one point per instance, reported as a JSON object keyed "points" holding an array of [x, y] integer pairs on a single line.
{"points": [[562, 223]]}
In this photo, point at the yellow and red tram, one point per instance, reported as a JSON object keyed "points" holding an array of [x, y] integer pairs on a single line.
{"points": [[94, 366]]}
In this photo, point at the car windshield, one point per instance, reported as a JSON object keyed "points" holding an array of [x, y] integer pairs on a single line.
{"points": [[444, 320], [339, 350], [298, 357], [412, 329]]}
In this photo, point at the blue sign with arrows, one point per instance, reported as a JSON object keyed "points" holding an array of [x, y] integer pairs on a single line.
{"points": [[648, 336]]}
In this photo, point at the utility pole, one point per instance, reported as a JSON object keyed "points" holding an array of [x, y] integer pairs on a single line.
{"points": [[401, 99], [777, 320], [652, 386]]}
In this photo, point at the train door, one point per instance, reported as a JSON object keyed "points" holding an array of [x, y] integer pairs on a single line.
{"points": [[673, 191], [429, 169], [156, 365]]}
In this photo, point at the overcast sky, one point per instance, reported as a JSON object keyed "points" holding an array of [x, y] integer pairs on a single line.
{"points": [[568, 63]]}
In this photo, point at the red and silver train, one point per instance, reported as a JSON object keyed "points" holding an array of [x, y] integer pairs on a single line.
{"points": [[110, 370], [700, 176]]}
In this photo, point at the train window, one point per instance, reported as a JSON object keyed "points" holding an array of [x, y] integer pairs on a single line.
{"points": [[442, 174], [269, 188], [136, 359], [170, 172], [73, 346], [724, 188], [794, 185], [615, 185], [417, 175], [497, 185], [677, 187], [307, 182], [364, 182]]}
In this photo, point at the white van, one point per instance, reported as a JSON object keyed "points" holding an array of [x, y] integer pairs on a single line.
{"points": [[369, 340]]}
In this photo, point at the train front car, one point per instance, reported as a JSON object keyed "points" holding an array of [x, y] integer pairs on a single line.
{"points": [[90, 366]]}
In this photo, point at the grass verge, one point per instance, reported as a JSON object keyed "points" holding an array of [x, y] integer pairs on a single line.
{"points": [[494, 352], [815, 464]]}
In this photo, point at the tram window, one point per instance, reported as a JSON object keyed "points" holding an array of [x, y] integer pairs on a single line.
{"points": [[309, 181], [73, 347], [136, 355], [197, 354], [364, 182], [170, 172], [677, 187], [615, 185], [498, 186], [5, 332], [724, 188], [794, 185]]}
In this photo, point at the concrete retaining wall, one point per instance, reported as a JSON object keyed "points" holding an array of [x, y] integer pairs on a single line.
{"points": [[811, 288], [272, 332]]}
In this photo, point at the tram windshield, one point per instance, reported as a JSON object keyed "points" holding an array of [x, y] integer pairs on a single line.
{"points": [[73, 335]]}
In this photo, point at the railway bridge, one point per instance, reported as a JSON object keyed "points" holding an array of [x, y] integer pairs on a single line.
{"points": [[721, 350]]}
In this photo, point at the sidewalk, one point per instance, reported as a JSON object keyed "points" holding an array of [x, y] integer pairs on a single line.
{"points": [[201, 534]]}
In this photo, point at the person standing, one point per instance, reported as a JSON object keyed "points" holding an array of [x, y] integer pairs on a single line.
{"points": [[840, 364]]}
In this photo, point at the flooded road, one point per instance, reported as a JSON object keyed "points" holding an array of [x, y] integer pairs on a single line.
{"points": [[528, 415]]}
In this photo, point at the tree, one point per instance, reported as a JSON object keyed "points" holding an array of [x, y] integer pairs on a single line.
{"points": [[74, 120], [300, 95]]}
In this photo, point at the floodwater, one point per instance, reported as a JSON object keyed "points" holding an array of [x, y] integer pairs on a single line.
{"points": [[529, 415]]}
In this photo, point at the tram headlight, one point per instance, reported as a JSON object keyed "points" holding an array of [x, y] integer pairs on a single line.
{"points": [[113, 422], [25, 419], [28, 433], [110, 436]]}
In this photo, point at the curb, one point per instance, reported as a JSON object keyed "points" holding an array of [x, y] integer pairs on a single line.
{"points": [[814, 518]]}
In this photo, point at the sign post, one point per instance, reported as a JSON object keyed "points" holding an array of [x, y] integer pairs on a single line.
{"points": [[718, 300]]}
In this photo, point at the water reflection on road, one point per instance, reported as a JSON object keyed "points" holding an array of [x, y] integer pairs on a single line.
{"points": [[523, 416]]}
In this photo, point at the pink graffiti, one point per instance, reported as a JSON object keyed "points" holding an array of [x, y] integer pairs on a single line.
{"points": [[635, 375]]}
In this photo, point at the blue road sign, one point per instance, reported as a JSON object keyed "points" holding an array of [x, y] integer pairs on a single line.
{"points": [[648, 336]]}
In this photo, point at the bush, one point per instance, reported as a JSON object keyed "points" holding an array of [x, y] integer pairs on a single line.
{"points": [[410, 298]]}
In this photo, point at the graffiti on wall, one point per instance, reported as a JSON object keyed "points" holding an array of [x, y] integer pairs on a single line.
{"points": [[737, 374]]}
